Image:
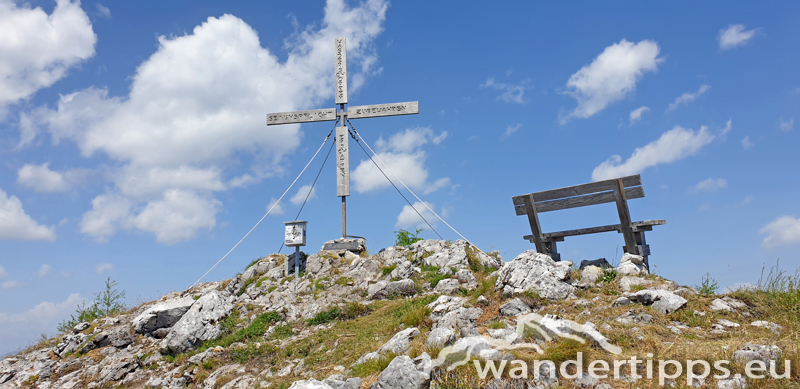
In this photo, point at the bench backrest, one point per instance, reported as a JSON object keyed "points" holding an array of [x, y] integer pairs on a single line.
{"points": [[581, 195]]}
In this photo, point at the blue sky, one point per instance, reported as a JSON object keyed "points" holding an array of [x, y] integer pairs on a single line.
{"points": [[134, 142]]}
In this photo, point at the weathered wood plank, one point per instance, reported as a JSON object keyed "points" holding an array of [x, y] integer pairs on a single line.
{"points": [[533, 220], [635, 226], [581, 201], [340, 70], [377, 110], [624, 214], [342, 162], [585, 189]]}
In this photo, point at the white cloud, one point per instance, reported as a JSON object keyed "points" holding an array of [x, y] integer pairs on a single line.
{"points": [[511, 93], [786, 125], [44, 270], [783, 231], [44, 311], [177, 216], [687, 97], [511, 129], [41, 179], [711, 184], [196, 109], [3, 272], [301, 194], [704, 207], [747, 144], [636, 114], [673, 145], [37, 49], [10, 284], [611, 76], [104, 267], [408, 218], [277, 209], [403, 156], [103, 10], [747, 200], [733, 36], [15, 224], [727, 129]]}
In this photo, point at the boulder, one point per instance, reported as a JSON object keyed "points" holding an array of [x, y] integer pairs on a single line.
{"points": [[662, 300], [732, 383], [631, 265], [444, 304], [468, 348], [80, 327], [515, 307], [600, 262], [726, 303], [336, 383], [162, 315], [400, 342], [449, 256], [591, 274], [465, 276], [765, 324], [626, 282], [621, 302], [532, 271], [448, 286], [634, 316], [404, 269], [310, 384], [200, 323], [402, 373], [439, 338], [752, 352], [461, 320], [387, 289]]}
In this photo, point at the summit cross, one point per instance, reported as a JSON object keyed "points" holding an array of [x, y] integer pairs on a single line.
{"points": [[330, 114]]}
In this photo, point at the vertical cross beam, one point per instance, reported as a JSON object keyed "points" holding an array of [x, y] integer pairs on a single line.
{"points": [[533, 220], [625, 218]]}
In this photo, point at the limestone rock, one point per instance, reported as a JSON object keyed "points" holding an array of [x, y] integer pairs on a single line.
{"points": [[461, 320], [537, 272], [440, 337], [162, 315], [449, 256], [631, 265], [752, 352], [448, 286], [470, 347], [386, 289], [352, 383], [600, 262], [727, 304], [732, 383], [662, 300], [621, 302], [634, 316], [591, 274], [310, 384], [765, 324], [200, 323], [402, 373], [626, 282], [400, 342], [444, 304], [515, 307]]}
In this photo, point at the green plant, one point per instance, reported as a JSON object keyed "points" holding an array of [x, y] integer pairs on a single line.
{"points": [[373, 365], [343, 281], [405, 238], [636, 288], [708, 286], [106, 303], [325, 317], [283, 331], [388, 269], [608, 276], [354, 309]]}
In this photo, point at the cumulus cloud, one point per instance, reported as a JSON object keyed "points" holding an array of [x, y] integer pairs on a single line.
{"points": [[43, 311], [783, 231], [15, 224], [302, 193], [688, 97], [196, 109], [636, 114], [734, 36], [10, 284], [675, 144], [103, 10], [275, 207], [37, 49], [711, 184], [747, 144], [404, 157], [103, 267], [3, 272], [510, 93], [511, 129], [786, 125], [41, 179], [611, 76], [409, 218], [44, 270], [23, 327]]}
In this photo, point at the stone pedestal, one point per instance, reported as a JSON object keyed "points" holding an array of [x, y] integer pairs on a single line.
{"points": [[288, 266], [341, 245]]}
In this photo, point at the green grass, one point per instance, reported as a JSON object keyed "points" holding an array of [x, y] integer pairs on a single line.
{"points": [[354, 309], [325, 317], [343, 281], [386, 270], [413, 312], [282, 332], [260, 281], [373, 366], [608, 276]]}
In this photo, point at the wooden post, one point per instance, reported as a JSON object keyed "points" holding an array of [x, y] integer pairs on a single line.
{"points": [[624, 218], [533, 220], [643, 244]]}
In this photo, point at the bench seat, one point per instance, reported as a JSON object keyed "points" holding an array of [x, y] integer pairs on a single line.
{"points": [[646, 225]]}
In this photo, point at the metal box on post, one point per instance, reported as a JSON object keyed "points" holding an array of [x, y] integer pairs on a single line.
{"points": [[295, 236]]}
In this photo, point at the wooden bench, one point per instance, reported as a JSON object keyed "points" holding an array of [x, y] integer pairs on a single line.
{"points": [[618, 190]]}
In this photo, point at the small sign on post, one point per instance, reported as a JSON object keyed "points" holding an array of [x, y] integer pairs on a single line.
{"points": [[295, 236]]}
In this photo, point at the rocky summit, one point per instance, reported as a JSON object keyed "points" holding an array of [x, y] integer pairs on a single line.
{"points": [[432, 314]]}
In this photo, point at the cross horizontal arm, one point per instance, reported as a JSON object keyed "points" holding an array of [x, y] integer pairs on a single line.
{"points": [[394, 109], [314, 115]]}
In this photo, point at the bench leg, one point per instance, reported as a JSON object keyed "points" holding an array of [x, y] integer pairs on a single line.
{"points": [[640, 241], [552, 250]]}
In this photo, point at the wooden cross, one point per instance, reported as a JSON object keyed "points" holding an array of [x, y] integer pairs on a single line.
{"points": [[355, 112]]}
